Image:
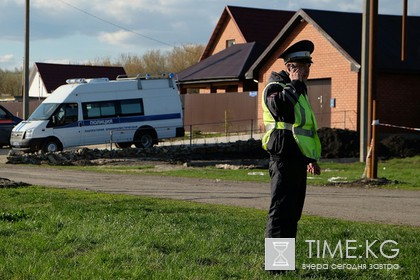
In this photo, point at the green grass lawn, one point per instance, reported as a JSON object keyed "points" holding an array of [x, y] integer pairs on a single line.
{"points": [[402, 172], [48, 233]]}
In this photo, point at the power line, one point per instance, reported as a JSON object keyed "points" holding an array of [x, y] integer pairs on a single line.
{"points": [[116, 25]]}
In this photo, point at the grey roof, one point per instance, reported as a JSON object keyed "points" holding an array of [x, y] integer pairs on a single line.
{"points": [[229, 64]]}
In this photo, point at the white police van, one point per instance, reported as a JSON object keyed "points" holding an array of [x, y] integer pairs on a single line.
{"points": [[125, 111]]}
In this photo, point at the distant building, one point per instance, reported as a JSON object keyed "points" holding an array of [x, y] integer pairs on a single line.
{"points": [[44, 78], [239, 38]]}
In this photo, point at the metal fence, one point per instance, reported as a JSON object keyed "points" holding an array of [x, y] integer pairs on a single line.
{"points": [[225, 117]]}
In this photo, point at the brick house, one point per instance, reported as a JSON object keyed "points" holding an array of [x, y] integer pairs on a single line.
{"points": [[335, 80], [234, 45]]}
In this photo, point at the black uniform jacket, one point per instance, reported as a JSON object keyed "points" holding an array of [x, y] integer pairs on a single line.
{"points": [[282, 145]]}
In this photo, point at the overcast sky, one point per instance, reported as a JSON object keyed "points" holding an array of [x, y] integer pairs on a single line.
{"points": [[76, 31]]}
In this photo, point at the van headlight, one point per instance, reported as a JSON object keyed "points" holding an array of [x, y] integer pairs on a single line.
{"points": [[28, 134]]}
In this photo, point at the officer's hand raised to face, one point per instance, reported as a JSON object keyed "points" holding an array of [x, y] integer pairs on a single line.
{"points": [[298, 71]]}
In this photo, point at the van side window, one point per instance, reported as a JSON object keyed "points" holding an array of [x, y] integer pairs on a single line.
{"points": [[131, 107], [72, 113], [110, 109], [107, 109], [91, 111], [66, 113], [96, 110]]}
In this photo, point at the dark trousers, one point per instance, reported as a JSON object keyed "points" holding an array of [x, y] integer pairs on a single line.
{"points": [[288, 190]]}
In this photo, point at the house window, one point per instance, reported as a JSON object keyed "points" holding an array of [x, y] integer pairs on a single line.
{"points": [[230, 43]]}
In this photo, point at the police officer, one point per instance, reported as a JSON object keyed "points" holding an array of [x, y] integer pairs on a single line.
{"points": [[291, 139]]}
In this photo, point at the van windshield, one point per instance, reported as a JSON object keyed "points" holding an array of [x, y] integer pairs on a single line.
{"points": [[43, 112]]}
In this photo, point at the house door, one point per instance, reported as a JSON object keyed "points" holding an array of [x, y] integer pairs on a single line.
{"points": [[319, 92]]}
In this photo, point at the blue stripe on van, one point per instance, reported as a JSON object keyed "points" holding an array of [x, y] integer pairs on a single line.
{"points": [[93, 122], [20, 125]]}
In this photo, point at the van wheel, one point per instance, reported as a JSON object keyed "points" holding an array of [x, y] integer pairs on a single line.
{"points": [[51, 146], [145, 139], [123, 145]]}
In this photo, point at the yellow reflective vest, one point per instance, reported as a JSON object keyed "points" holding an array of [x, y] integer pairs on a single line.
{"points": [[304, 129]]}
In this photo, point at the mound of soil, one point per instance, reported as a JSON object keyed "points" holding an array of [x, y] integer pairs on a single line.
{"points": [[339, 143], [344, 143], [6, 183]]}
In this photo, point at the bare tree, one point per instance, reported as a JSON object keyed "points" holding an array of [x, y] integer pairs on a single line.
{"points": [[153, 62], [133, 65], [104, 61], [10, 83], [183, 57]]}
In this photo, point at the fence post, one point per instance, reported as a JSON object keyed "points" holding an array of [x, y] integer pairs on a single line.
{"points": [[252, 128], [226, 124], [344, 119], [191, 135], [110, 140]]}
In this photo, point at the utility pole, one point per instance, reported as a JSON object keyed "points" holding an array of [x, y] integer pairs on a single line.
{"points": [[26, 66], [368, 100], [403, 31], [372, 165], [363, 127]]}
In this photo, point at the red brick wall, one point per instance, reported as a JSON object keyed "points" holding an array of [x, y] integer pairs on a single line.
{"points": [[328, 63], [228, 32]]}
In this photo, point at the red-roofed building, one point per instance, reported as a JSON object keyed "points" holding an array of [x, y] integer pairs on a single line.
{"points": [[44, 78], [239, 38], [240, 25]]}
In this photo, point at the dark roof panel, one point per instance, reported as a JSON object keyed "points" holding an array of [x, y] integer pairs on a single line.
{"points": [[256, 25], [389, 45], [348, 35], [55, 75], [344, 31], [259, 25], [344, 28], [230, 63]]}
